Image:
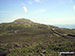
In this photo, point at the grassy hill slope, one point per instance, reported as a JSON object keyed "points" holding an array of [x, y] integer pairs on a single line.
{"points": [[26, 38]]}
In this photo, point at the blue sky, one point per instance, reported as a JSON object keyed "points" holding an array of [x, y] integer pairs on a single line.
{"points": [[42, 11]]}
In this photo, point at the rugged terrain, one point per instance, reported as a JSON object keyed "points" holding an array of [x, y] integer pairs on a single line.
{"points": [[26, 38]]}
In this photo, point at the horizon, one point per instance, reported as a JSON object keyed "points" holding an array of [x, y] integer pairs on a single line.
{"points": [[68, 26], [41, 11]]}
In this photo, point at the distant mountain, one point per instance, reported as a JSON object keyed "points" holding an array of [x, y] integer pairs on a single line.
{"points": [[24, 37]]}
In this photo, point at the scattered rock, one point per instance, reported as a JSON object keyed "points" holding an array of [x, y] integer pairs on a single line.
{"points": [[72, 35]]}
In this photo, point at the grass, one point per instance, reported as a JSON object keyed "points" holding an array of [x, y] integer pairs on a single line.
{"points": [[34, 40]]}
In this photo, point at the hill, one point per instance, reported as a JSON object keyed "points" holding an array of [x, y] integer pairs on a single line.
{"points": [[26, 38]]}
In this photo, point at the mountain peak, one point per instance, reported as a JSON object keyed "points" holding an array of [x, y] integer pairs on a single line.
{"points": [[23, 20]]}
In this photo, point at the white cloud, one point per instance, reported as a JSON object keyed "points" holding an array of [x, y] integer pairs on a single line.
{"points": [[38, 1], [25, 9], [30, 2], [73, 7]]}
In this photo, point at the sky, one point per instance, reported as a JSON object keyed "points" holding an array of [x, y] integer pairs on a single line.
{"points": [[41, 11]]}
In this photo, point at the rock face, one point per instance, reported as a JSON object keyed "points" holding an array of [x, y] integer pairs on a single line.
{"points": [[22, 20]]}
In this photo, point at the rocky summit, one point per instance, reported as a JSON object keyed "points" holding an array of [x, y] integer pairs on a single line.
{"points": [[22, 20]]}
